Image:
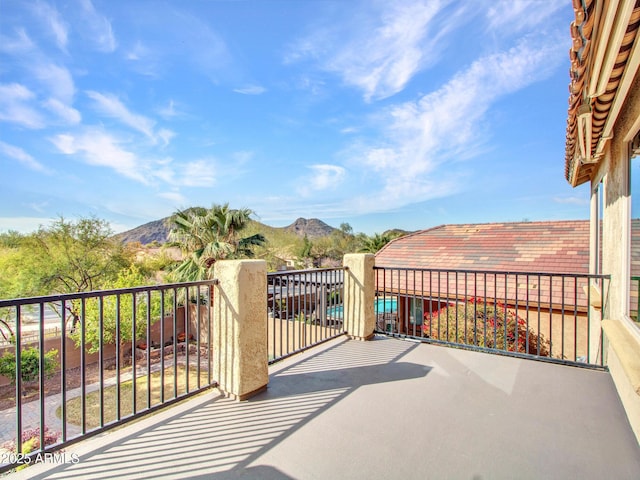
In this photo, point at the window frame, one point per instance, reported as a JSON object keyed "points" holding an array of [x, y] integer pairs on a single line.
{"points": [[627, 237]]}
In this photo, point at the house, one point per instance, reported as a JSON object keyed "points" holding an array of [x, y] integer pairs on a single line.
{"points": [[551, 247], [522, 266], [602, 147], [307, 292]]}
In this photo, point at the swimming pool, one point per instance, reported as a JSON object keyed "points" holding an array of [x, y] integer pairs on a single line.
{"points": [[381, 305]]}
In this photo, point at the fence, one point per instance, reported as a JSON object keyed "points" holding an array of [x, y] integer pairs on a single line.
{"points": [[305, 309], [541, 315], [150, 345]]}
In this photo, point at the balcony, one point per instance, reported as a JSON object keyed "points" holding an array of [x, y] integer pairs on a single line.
{"points": [[387, 408], [335, 407]]}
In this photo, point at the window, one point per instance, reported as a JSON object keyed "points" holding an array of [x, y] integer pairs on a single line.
{"points": [[599, 222], [416, 315], [634, 191]]}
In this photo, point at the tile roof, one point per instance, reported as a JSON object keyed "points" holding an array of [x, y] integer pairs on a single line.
{"points": [[589, 109], [550, 247], [555, 247]]}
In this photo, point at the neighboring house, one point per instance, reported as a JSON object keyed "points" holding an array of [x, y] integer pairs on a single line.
{"points": [[507, 263], [308, 292], [551, 247], [602, 148]]}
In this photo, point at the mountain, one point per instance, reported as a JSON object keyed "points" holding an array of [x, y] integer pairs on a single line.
{"points": [[396, 232], [158, 230], [311, 228]]}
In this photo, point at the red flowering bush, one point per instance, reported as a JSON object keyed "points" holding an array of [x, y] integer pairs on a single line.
{"points": [[31, 436], [484, 325]]}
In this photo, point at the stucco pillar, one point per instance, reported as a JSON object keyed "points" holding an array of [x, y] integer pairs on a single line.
{"points": [[359, 295], [240, 362]]}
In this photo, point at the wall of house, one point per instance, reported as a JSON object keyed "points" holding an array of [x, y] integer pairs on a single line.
{"points": [[567, 333], [622, 339]]}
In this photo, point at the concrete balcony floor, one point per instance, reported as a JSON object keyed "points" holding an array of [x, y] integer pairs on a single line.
{"points": [[382, 409]]}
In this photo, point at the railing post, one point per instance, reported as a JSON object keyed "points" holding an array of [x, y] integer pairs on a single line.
{"points": [[240, 361], [359, 295]]}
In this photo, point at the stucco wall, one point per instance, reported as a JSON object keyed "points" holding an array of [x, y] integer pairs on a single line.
{"points": [[359, 295], [622, 341], [74, 352], [240, 361]]}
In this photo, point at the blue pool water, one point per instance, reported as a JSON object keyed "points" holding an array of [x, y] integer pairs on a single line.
{"points": [[381, 305]]}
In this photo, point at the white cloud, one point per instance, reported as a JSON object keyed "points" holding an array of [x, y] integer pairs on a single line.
{"points": [[199, 173], [381, 52], [138, 52], [250, 90], [515, 15], [97, 147], [15, 106], [23, 224], [169, 111], [21, 156], [420, 137], [165, 136], [175, 197], [111, 106], [18, 45], [58, 80], [66, 113], [98, 28], [324, 177], [101, 149], [51, 17], [146, 60]]}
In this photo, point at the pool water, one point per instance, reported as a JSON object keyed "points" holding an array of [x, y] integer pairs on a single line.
{"points": [[381, 305]]}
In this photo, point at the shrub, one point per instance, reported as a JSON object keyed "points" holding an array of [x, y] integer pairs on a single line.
{"points": [[484, 325], [31, 442], [29, 364], [31, 439]]}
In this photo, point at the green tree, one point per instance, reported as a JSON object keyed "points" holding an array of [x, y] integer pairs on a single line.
{"points": [[304, 252], [11, 239], [74, 256], [65, 257], [374, 243], [207, 235], [346, 229], [341, 241], [13, 284], [101, 315]]}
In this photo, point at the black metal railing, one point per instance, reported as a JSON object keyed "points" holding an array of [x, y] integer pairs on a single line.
{"points": [[118, 354], [546, 316], [634, 297], [305, 309]]}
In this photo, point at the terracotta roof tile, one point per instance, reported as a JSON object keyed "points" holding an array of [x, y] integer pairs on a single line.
{"points": [[551, 247], [596, 108]]}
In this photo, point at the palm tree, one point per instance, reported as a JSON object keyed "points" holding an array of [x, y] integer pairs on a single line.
{"points": [[207, 235], [375, 243]]}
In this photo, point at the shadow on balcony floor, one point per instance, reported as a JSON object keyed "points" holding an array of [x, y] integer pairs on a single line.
{"points": [[381, 409]]}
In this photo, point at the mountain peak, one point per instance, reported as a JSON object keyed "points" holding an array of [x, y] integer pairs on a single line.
{"points": [[311, 228], [158, 230]]}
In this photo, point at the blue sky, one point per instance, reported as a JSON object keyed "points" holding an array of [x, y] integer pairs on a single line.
{"points": [[384, 114]]}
